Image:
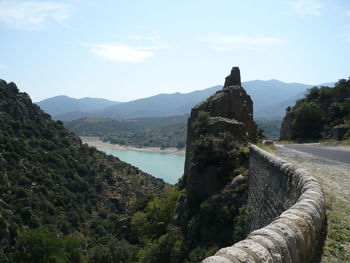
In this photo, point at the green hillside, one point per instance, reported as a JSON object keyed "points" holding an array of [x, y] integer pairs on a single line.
{"points": [[313, 117], [54, 191], [159, 132], [62, 201]]}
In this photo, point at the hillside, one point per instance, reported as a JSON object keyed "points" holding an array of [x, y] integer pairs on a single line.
{"points": [[60, 193], [314, 116], [64, 104], [273, 93], [270, 98], [159, 132]]}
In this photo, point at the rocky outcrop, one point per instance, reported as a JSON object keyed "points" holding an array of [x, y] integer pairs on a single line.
{"points": [[232, 102], [287, 210], [227, 113], [234, 79]]}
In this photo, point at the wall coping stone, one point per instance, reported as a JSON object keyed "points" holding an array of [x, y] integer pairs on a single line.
{"points": [[292, 237]]}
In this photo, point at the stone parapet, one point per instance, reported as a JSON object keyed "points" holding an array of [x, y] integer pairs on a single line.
{"points": [[287, 209]]}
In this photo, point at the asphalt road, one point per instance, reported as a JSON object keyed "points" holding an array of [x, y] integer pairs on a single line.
{"points": [[335, 155]]}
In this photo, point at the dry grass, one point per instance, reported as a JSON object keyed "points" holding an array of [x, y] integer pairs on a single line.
{"points": [[286, 142], [335, 143], [337, 244], [267, 147]]}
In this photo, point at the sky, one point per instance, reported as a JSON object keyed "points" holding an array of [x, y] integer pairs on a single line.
{"points": [[128, 49]]}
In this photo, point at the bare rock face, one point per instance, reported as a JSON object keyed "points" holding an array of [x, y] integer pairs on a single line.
{"points": [[234, 79], [217, 127]]}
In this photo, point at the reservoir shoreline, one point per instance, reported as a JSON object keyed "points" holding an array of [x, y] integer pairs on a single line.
{"points": [[99, 144]]}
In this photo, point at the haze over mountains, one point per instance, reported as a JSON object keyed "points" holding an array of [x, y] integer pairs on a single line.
{"points": [[63, 104], [270, 97]]}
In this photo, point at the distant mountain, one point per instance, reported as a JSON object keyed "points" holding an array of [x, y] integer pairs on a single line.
{"points": [[160, 105], [272, 92], [328, 84], [277, 110], [270, 98], [64, 104]]}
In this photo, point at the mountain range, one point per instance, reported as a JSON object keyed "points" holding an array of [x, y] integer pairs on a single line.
{"points": [[270, 97], [63, 104]]}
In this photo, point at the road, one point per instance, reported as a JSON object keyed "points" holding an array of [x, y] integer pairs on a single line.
{"points": [[322, 151], [329, 164]]}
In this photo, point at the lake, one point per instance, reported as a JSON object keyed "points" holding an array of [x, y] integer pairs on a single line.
{"points": [[169, 167]]}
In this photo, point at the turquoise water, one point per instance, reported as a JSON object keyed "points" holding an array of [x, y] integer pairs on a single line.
{"points": [[169, 167]]}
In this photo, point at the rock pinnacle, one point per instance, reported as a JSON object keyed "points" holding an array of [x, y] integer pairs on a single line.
{"points": [[234, 79]]}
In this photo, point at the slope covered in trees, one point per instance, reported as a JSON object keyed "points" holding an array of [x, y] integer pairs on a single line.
{"points": [[59, 194], [62, 201], [159, 132], [313, 117], [148, 132]]}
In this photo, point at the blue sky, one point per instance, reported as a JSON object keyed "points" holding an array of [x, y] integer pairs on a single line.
{"points": [[124, 50]]}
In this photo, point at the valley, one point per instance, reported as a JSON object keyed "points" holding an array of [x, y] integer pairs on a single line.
{"points": [[174, 131]]}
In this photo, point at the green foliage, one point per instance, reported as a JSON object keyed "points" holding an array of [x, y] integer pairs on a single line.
{"points": [[270, 128], [168, 248], [320, 110], [155, 132], [49, 178], [308, 121], [222, 151], [114, 250], [154, 219], [54, 189], [200, 253], [241, 228], [42, 246], [161, 241]]}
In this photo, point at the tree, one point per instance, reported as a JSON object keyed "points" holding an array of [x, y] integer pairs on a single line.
{"points": [[44, 246], [308, 122]]}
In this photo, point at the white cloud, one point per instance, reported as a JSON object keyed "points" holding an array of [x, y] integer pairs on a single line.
{"points": [[348, 12], [221, 42], [121, 52], [2, 67], [153, 38], [129, 53], [32, 14], [307, 7]]}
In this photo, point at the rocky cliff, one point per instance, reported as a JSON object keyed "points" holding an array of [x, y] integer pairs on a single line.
{"points": [[226, 114], [215, 177]]}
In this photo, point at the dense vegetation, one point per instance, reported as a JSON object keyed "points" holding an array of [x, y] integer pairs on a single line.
{"points": [[49, 178], [270, 127], [147, 132], [62, 201], [313, 117], [159, 132]]}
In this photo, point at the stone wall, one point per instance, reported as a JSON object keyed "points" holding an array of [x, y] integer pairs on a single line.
{"points": [[287, 210]]}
